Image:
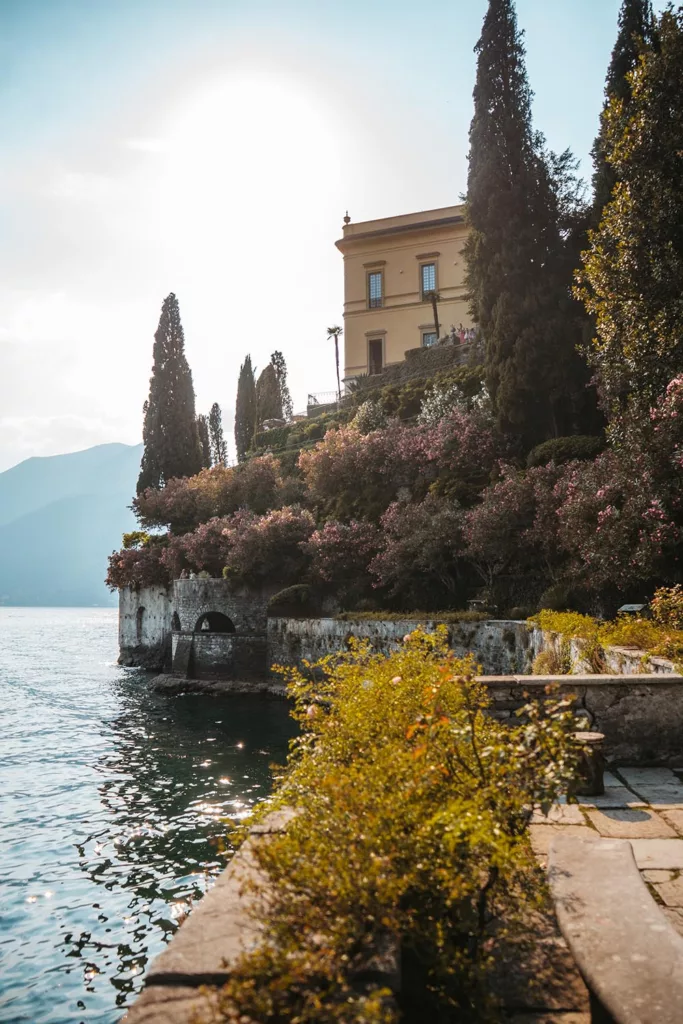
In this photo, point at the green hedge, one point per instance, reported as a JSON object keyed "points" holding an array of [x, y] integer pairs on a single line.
{"points": [[564, 449]]}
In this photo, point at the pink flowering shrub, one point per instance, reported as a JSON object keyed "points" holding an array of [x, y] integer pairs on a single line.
{"points": [[464, 449], [614, 521], [514, 528], [183, 504], [140, 566], [421, 562], [340, 554], [270, 547], [349, 474]]}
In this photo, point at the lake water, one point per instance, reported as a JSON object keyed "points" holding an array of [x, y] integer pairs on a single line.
{"points": [[113, 802]]}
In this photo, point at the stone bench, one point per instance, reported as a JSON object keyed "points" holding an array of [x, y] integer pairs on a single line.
{"points": [[628, 953]]}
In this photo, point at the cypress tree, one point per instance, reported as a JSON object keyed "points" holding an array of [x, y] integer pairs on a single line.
{"points": [[278, 361], [205, 443], [633, 271], [268, 400], [170, 434], [517, 275], [637, 31], [219, 447], [245, 409]]}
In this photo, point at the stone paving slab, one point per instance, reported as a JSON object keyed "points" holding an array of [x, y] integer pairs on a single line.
{"points": [[674, 816], [559, 814], [671, 892], [666, 854], [616, 795], [171, 1004], [630, 823], [541, 837], [657, 875]]}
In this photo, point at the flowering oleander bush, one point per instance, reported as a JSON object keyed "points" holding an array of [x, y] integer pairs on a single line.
{"points": [[183, 504], [341, 553], [411, 812], [514, 527], [270, 547], [370, 416], [421, 560], [139, 566]]}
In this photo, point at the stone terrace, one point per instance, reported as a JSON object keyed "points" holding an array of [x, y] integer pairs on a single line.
{"points": [[643, 805]]}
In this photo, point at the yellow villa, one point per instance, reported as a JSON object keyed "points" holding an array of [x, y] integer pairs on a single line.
{"points": [[392, 269]]}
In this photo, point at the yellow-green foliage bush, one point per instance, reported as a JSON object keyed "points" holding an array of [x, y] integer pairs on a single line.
{"points": [[647, 635], [667, 607], [412, 811]]}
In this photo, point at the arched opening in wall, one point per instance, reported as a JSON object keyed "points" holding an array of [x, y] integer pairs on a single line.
{"points": [[214, 622], [175, 622], [139, 616]]}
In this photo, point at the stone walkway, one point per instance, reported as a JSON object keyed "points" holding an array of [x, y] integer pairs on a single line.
{"points": [[643, 805]]}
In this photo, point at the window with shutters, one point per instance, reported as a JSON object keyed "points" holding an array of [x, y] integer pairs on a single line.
{"points": [[428, 339]]}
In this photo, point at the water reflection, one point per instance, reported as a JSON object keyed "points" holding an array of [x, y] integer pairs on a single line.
{"points": [[113, 802], [178, 770]]}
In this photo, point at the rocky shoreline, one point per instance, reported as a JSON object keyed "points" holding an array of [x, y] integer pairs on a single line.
{"points": [[175, 685]]}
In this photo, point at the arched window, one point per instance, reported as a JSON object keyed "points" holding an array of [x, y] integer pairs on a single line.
{"points": [[175, 622], [139, 616], [214, 622]]}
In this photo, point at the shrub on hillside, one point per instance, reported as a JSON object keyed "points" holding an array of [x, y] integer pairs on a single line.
{"points": [[268, 548], [514, 527], [421, 560], [370, 416], [411, 807], [297, 601], [139, 566], [341, 553], [565, 449], [184, 504]]}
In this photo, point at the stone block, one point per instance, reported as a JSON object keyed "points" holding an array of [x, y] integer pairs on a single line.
{"points": [[541, 836], [675, 916], [674, 816], [663, 854], [559, 814], [656, 875], [630, 823], [172, 1004], [648, 776], [671, 892]]}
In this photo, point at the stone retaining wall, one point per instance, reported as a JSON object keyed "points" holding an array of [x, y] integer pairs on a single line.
{"points": [[617, 660], [501, 647], [144, 627], [640, 715]]}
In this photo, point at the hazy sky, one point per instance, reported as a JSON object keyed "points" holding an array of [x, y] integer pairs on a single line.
{"points": [[211, 148]]}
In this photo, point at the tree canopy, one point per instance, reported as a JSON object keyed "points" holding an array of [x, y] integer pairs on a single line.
{"points": [[245, 409], [171, 440]]}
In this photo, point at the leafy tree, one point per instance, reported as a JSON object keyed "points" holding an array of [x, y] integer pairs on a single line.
{"points": [[636, 31], [278, 361], [268, 398], [633, 271], [170, 436], [205, 443], [245, 409], [219, 447], [517, 273]]}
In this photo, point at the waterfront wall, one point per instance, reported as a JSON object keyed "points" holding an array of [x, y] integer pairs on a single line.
{"points": [[145, 623], [501, 647], [614, 660]]}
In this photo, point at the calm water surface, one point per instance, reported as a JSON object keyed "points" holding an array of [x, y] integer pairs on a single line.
{"points": [[113, 802]]}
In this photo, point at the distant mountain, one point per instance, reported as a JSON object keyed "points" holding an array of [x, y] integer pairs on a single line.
{"points": [[60, 517]]}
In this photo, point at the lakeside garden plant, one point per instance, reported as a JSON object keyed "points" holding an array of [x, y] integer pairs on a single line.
{"points": [[411, 812]]}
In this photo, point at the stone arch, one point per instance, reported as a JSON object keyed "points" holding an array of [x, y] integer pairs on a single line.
{"points": [[214, 622], [139, 618], [175, 622]]}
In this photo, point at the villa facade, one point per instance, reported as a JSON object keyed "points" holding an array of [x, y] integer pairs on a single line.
{"points": [[393, 267]]}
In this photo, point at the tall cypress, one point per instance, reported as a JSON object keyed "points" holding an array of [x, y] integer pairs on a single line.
{"points": [[517, 277], [171, 440], [637, 31], [278, 361], [219, 448], [245, 409], [204, 440], [268, 397]]}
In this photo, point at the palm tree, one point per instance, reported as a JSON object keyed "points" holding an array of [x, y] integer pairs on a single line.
{"points": [[334, 332]]}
